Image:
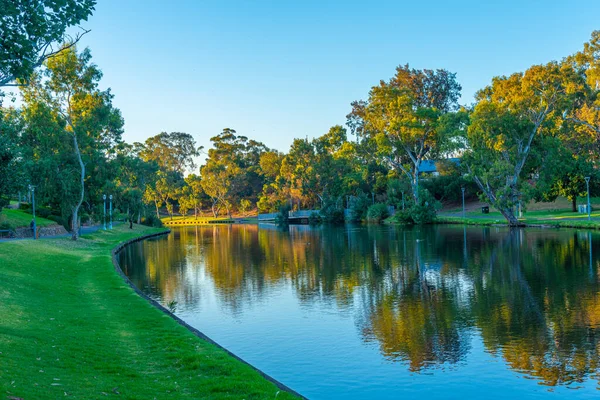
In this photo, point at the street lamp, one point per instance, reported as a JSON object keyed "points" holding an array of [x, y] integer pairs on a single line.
{"points": [[110, 212], [104, 219], [462, 189], [587, 183], [32, 190]]}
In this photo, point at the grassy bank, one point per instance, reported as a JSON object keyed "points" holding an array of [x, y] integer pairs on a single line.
{"points": [[553, 218], [71, 327], [12, 219]]}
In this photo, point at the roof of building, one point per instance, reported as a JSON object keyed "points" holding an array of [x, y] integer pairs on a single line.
{"points": [[428, 166]]}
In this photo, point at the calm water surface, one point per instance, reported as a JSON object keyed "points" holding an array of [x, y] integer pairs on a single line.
{"points": [[376, 312]]}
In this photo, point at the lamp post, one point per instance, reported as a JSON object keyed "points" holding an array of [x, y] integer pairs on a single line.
{"points": [[587, 183], [462, 189], [110, 211], [104, 219], [32, 190]]}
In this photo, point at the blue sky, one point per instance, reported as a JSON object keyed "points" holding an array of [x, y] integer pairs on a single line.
{"points": [[277, 70]]}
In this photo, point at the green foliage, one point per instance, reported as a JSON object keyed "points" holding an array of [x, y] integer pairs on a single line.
{"points": [[3, 222], [152, 220], [358, 207], [397, 189], [422, 212], [332, 213], [314, 218], [232, 171], [283, 216], [245, 205], [173, 152], [530, 135], [377, 213], [69, 123], [10, 173], [32, 29], [59, 220], [4, 202], [447, 188], [511, 131], [404, 117]]}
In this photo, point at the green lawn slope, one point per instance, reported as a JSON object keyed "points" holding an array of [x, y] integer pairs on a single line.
{"points": [[13, 219], [71, 327]]}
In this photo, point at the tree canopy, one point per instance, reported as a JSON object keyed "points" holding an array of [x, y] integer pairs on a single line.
{"points": [[31, 31]]}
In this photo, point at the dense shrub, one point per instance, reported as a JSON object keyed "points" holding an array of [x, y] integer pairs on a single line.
{"points": [[3, 222], [447, 188], [85, 218], [359, 207], [43, 212], [40, 211], [283, 216], [58, 219], [331, 213], [152, 220], [314, 219], [423, 212], [377, 213]]}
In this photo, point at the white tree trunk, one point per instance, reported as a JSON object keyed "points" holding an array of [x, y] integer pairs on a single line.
{"points": [[75, 218]]}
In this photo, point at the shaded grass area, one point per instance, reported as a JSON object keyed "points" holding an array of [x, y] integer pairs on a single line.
{"points": [[71, 327], [17, 218]]}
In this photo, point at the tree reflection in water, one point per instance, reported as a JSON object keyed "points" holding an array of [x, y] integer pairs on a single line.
{"points": [[533, 296]]}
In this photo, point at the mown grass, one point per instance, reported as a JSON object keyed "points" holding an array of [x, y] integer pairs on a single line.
{"points": [[556, 218], [17, 218], [70, 327]]}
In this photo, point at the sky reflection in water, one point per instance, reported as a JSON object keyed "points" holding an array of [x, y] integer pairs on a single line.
{"points": [[379, 312]]}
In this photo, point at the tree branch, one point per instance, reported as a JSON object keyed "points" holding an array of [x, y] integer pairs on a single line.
{"points": [[6, 81]]}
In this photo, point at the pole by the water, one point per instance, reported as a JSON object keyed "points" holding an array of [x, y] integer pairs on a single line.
{"points": [[110, 212], [587, 183], [33, 206], [104, 218]]}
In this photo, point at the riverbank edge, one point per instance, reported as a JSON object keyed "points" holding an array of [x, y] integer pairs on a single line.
{"points": [[114, 254], [545, 224]]}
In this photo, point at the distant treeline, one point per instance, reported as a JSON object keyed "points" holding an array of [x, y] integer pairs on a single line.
{"points": [[530, 135]]}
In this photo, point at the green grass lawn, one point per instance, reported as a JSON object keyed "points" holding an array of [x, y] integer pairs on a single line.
{"points": [[18, 218], [562, 218], [70, 327]]}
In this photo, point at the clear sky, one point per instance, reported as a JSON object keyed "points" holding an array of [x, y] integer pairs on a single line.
{"points": [[277, 70]]}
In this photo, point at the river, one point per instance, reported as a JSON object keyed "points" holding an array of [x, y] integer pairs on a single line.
{"points": [[384, 312]]}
